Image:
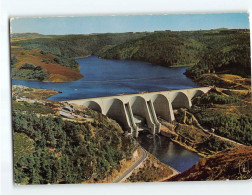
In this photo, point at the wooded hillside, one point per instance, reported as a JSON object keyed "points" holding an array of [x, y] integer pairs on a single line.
{"points": [[220, 51]]}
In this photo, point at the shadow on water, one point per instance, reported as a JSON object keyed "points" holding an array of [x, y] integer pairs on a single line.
{"points": [[168, 152]]}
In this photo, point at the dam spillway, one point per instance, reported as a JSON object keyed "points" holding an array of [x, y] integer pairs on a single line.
{"points": [[136, 112]]}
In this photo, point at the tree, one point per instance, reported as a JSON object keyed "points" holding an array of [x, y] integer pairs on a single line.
{"points": [[13, 61]]}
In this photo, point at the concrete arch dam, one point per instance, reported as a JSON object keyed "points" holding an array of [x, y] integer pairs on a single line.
{"points": [[136, 112]]}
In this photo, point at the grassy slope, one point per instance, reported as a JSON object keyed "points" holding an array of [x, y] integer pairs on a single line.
{"points": [[227, 81], [56, 72], [151, 170], [23, 146], [230, 115], [224, 165], [33, 93]]}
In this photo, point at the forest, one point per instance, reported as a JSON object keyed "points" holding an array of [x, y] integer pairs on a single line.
{"points": [[68, 47], [218, 50], [30, 71], [62, 151], [228, 115]]}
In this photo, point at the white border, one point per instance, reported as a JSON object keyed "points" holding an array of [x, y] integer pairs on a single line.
{"points": [[11, 8]]}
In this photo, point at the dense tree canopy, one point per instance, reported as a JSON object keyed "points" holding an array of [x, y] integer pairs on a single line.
{"points": [[65, 151], [235, 125]]}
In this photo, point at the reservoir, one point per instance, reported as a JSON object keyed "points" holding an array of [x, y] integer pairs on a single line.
{"points": [[168, 152], [104, 77]]}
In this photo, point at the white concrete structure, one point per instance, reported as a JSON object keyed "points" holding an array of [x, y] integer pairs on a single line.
{"points": [[125, 109]]}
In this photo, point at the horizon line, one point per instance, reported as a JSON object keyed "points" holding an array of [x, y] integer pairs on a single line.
{"points": [[222, 28]]}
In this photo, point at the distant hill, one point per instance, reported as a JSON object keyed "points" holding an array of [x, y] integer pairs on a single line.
{"points": [[56, 54], [26, 36], [227, 52], [233, 164], [78, 45], [219, 50], [164, 48]]}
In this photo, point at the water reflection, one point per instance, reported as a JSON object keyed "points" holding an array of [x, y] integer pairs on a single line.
{"points": [[168, 152]]}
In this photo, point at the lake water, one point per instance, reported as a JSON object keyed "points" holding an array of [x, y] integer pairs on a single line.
{"points": [[104, 77], [168, 152]]}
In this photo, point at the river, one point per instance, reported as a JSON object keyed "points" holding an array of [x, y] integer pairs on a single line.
{"points": [[168, 152], [104, 77]]}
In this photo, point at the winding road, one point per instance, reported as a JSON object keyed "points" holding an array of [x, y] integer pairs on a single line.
{"points": [[135, 165]]}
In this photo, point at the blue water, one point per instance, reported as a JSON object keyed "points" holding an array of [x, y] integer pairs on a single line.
{"points": [[168, 152], [103, 77]]}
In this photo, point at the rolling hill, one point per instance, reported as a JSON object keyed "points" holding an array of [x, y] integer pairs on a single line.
{"points": [[218, 51]]}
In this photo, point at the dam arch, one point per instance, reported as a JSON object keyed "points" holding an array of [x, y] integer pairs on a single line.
{"points": [[93, 105], [195, 93], [144, 114], [180, 100], [162, 106], [115, 110], [138, 105]]}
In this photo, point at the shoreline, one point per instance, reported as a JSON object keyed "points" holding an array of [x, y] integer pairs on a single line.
{"points": [[168, 135], [190, 148], [86, 56], [79, 57], [203, 155], [45, 81], [160, 171]]}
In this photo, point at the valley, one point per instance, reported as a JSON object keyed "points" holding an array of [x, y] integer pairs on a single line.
{"points": [[70, 143]]}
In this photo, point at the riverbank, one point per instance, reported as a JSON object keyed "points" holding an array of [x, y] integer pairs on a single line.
{"points": [[216, 121], [43, 66], [231, 164], [151, 170], [194, 139], [21, 91], [227, 81]]}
